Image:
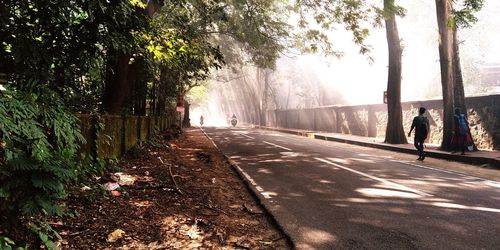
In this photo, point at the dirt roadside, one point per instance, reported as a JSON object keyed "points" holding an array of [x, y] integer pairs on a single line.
{"points": [[184, 196]]}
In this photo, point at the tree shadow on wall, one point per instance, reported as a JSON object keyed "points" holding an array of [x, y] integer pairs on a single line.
{"points": [[490, 121], [352, 124]]}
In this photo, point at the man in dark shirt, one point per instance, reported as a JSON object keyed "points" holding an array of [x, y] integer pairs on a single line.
{"points": [[421, 125]]}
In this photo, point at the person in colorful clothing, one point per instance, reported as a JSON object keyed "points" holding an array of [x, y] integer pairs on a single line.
{"points": [[460, 131]]}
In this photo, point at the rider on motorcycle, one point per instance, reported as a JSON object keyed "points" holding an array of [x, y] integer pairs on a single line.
{"points": [[234, 120]]}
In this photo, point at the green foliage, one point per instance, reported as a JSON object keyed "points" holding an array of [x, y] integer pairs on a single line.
{"points": [[46, 234], [464, 15], [40, 139], [354, 16], [62, 44], [199, 95], [8, 244]]}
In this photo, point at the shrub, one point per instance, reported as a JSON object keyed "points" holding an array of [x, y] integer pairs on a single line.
{"points": [[37, 158]]}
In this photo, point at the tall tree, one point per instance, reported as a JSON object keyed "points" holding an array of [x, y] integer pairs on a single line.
{"points": [[446, 34], [451, 76], [394, 130]]}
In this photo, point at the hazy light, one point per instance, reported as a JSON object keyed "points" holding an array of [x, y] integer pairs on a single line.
{"points": [[307, 81]]}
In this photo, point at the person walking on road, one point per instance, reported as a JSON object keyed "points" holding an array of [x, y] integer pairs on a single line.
{"points": [[421, 125]]}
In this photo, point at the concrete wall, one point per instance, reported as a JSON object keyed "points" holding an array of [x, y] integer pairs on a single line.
{"points": [[370, 120], [119, 134]]}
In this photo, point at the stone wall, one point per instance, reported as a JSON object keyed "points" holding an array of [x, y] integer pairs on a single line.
{"points": [[119, 133], [370, 120]]}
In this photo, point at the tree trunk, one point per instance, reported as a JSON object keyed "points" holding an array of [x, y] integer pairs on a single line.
{"points": [[444, 11], [459, 93], [459, 90], [117, 84], [186, 122], [162, 91], [265, 93], [395, 133]]}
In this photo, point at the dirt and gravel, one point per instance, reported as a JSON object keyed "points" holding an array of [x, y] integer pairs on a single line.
{"points": [[181, 195]]}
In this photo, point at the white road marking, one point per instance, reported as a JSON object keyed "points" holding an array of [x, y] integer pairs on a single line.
{"points": [[450, 172], [486, 181], [276, 145], [402, 187], [247, 136], [252, 181]]}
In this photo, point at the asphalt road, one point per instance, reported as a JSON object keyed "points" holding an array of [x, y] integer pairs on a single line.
{"points": [[329, 195]]}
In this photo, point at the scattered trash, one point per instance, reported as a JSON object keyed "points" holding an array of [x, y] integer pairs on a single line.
{"points": [[193, 232], [115, 235], [110, 186], [116, 193], [85, 188], [146, 173], [213, 180], [266, 243], [123, 179]]}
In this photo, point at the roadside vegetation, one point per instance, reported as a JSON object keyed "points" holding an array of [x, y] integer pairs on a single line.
{"points": [[127, 57]]}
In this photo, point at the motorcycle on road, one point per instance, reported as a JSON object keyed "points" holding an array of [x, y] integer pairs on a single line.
{"points": [[234, 121]]}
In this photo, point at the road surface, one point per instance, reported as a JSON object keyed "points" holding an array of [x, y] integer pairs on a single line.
{"points": [[329, 195]]}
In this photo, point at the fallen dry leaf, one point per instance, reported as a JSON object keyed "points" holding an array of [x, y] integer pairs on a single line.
{"points": [[115, 235]]}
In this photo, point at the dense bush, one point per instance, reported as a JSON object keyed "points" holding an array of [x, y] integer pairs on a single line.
{"points": [[39, 140]]}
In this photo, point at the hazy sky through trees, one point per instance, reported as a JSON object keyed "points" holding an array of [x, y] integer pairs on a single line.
{"points": [[315, 80], [362, 82]]}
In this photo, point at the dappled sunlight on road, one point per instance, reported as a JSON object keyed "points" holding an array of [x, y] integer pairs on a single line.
{"points": [[492, 184], [265, 171], [458, 206], [269, 195], [341, 191], [316, 236], [326, 181]]}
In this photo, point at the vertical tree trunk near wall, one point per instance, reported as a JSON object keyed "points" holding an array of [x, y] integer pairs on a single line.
{"points": [[394, 132], [459, 93], [265, 93], [444, 11], [160, 110], [186, 122], [117, 84], [140, 97], [459, 90]]}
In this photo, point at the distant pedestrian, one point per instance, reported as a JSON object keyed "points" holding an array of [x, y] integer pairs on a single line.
{"points": [[201, 120], [421, 125], [461, 137]]}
